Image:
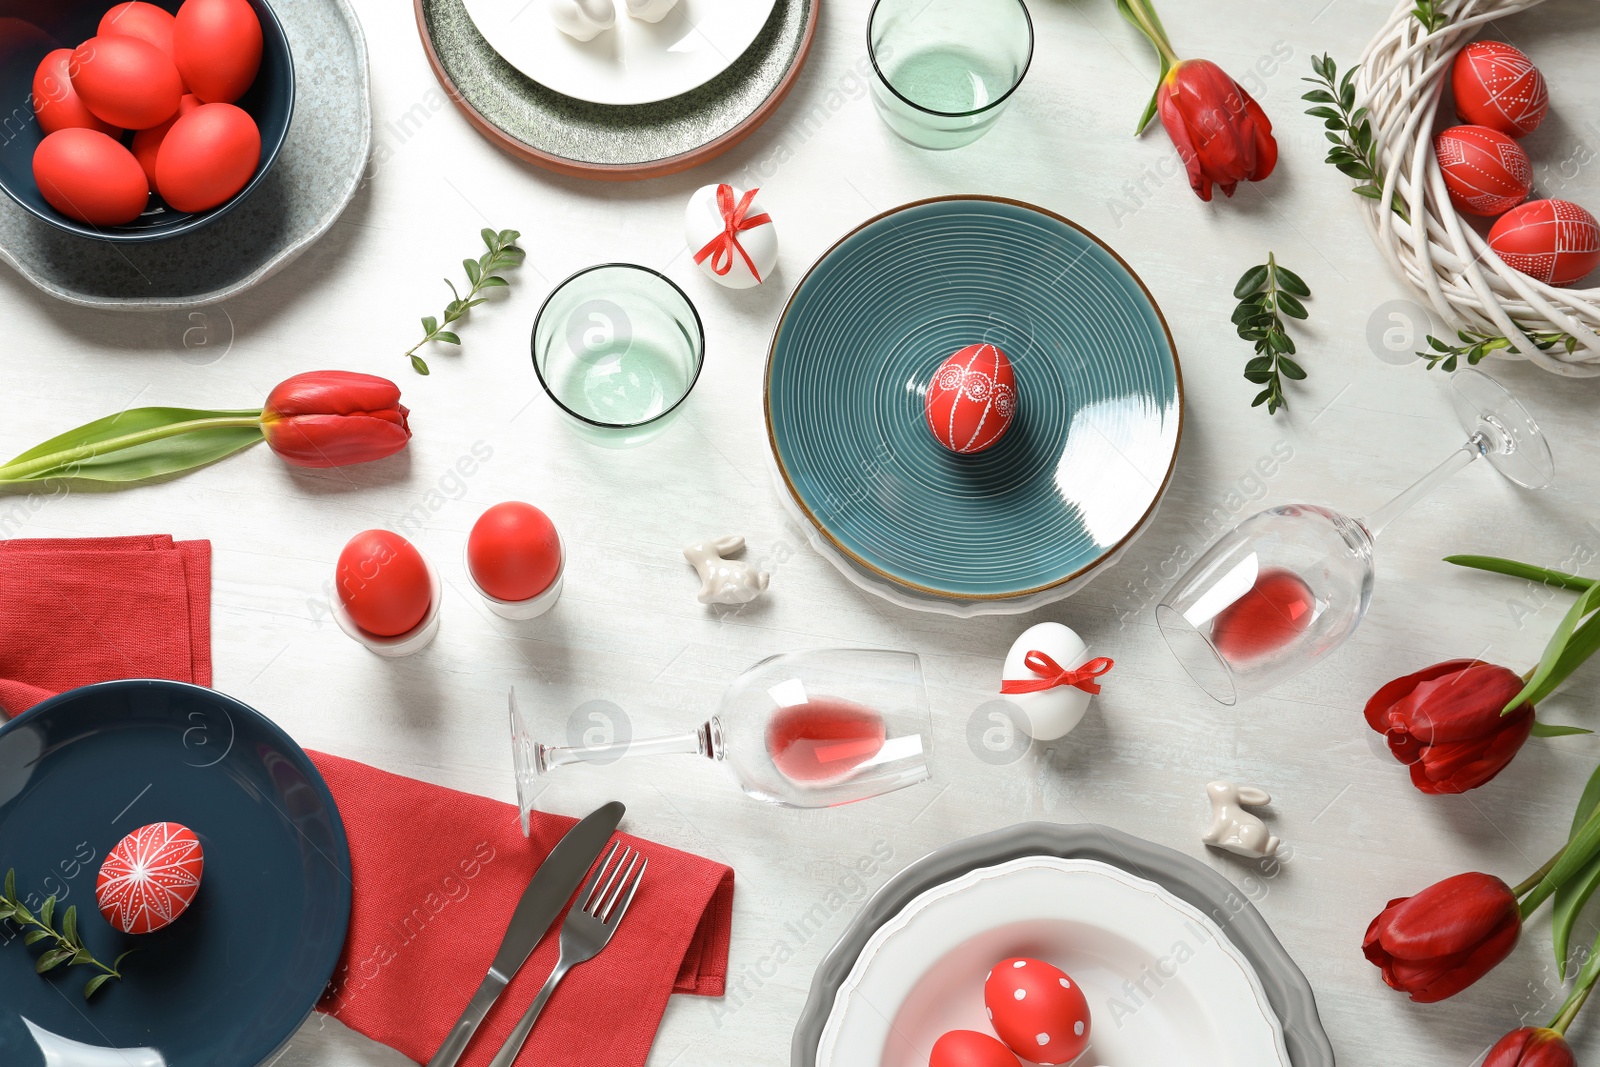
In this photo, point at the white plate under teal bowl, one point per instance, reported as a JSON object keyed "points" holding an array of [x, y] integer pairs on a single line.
{"points": [[1200, 1005], [1081, 469]]}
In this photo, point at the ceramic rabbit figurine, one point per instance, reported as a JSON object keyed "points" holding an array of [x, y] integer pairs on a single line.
{"points": [[650, 10], [583, 19], [1233, 828], [725, 581]]}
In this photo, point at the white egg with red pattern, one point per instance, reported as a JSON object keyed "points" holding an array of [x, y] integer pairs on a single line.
{"points": [[1038, 1010]]}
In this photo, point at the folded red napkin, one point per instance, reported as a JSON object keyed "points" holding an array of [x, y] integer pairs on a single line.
{"points": [[77, 611], [437, 876]]}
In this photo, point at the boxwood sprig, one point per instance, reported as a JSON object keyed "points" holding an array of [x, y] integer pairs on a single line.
{"points": [[66, 944], [483, 274], [1267, 293]]}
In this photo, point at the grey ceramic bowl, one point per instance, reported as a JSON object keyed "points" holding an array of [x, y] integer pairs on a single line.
{"points": [[1185, 878]]}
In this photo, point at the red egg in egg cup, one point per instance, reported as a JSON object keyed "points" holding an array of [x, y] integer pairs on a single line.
{"points": [[518, 610], [413, 640]]}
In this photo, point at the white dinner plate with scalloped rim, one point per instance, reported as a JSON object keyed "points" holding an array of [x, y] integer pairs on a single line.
{"points": [[634, 62], [1165, 986]]}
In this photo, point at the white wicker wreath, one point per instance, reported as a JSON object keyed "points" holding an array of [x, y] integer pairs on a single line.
{"points": [[1401, 80]]}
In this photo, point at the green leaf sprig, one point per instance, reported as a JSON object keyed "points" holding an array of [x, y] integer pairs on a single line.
{"points": [[1348, 127], [483, 274], [1266, 293], [67, 945], [1475, 345], [1427, 12]]}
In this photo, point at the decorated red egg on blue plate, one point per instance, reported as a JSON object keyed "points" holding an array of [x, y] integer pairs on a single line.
{"points": [[972, 399], [1554, 241], [1038, 1010], [969, 1048], [150, 878], [1497, 86], [1485, 171]]}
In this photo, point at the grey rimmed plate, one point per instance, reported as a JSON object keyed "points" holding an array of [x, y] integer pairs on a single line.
{"points": [[1286, 988], [614, 142], [318, 171]]}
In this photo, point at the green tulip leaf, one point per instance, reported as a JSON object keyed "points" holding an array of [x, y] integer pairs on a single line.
{"points": [[1514, 569], [1540, 683], [1583, 644], [137, 444], [131, 421], [1550, 729], [1571, 896], [1147, 22]]}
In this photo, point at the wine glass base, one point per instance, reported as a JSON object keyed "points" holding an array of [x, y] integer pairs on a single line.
{"points": [[1197, 655], [524, 763], [1507, 435]]}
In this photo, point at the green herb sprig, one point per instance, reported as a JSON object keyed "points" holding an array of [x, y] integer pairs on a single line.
{"points": [[1348, 127], [1427, 12], [67, 947], [1267, 293], [1476, 344], [482, 275]]}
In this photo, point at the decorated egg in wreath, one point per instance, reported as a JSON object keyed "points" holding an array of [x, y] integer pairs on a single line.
{"points": [[1038, 1010], [1485, 171], [1497, 86], [1554, 241], [972, 399], [150, 878]]}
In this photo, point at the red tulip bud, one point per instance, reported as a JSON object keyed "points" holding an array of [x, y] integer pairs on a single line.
{"points": [[1435, 944], [1531, 1047], [1220, 132], [332, 418], [1445, 722]]}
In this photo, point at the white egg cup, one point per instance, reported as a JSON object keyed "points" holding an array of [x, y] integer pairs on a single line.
{"points": [[413, 640], [534, 606]]}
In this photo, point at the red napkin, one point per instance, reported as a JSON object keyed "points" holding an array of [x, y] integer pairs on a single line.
{"points": [[73, 612], [437, 876]]}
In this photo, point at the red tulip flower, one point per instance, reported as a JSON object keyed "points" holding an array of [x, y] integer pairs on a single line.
{"points": [[1445, 722], [1531, 1047], [333, 418], [1437, 943], [1221, 133]]}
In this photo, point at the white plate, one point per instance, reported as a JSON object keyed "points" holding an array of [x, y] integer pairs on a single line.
{"points": [[1165, 986], [634, 62]]}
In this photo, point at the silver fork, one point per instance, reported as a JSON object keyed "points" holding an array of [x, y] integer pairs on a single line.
{"points": [[595, 916]]}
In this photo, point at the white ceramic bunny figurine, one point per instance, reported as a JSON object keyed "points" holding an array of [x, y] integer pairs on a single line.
{"points": [[1233, 828], [583, 19], [725, 581], [650, 10]]}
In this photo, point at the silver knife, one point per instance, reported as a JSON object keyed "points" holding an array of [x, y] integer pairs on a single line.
{"points": [[553, 884]]}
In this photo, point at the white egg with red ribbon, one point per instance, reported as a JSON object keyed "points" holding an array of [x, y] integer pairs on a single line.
{"points": [[1049, 676], [731, 236]]}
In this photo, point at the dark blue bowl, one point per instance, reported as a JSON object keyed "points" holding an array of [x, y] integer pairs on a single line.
{"points": [[30, 29]]}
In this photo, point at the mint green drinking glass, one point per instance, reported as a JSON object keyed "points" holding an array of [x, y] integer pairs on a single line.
{"points": [[946, 68], [618, 347]]}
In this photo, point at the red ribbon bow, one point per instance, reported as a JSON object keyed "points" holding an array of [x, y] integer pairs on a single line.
{"points": [[1053, 675], [722, 247]]}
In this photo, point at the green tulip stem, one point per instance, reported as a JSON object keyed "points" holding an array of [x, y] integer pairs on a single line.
{"points": [[16, 472], [1569, 1010], [1533, 880], [1147, 21]]}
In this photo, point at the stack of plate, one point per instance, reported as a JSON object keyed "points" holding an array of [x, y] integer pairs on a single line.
{"points": [[1179, 968], [1087, 457]]}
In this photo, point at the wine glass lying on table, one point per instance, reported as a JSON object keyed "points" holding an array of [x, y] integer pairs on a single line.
{"points": [[809, 729]]}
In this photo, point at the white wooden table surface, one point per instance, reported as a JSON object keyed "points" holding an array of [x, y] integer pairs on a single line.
{"points": [[628, 629]]}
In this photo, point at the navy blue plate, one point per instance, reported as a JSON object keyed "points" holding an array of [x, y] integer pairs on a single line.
{"points": [[31, 29], [231, 980]]}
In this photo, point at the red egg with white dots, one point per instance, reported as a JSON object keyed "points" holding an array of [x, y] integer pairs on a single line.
{"points": [[1038, 1010], [1497, 86], [150, 878], [1485, 172], [972, 399], [1554, 241], [969, 1048]]}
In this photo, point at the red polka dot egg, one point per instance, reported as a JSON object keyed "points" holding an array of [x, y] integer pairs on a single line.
{"points": [[1497, 86], [1554, 241], [968, 1048], [150, 878], [972, 399], [1485, 171], [1038, 1010]]}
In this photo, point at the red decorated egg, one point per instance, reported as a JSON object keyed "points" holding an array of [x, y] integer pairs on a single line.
{"points": [[1555, 241], [383, 583], [1038, 1010], [1497, 86], [127, 82], [968, 1048], [147, 22], [514, 552], [207, 157], [150, 878], [1485, 171], [972, 399], [218, 46], [147, 143], [90, 177], [57, 103]]}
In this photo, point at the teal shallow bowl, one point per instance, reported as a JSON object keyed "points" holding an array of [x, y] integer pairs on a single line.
{"points": [[1087, 456]]}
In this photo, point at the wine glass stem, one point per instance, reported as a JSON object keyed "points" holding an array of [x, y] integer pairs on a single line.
{"points": [[695, 742], [1461, 457]]}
